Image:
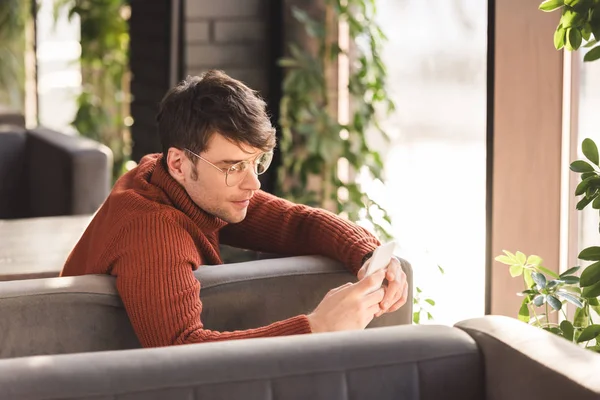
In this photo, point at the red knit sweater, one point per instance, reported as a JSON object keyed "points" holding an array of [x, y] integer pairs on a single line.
{"points": [[151, 236]]}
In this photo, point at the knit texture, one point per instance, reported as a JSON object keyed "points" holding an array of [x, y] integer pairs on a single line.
{"points": [[151, 236]]}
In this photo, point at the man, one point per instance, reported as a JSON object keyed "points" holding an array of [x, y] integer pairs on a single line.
{"points": [[168, 216]]}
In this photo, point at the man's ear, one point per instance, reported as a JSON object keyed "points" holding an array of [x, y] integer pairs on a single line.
{"points": [[175, 163]]}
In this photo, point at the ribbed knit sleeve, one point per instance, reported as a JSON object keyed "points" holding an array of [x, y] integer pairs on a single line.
{"points": [[276, 225], [154, 275]]}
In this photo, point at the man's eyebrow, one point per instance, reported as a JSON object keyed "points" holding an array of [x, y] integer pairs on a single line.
{"points": [[228, 161]]}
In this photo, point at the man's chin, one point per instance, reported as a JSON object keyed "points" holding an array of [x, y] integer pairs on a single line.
{"points": [[235, 218]]}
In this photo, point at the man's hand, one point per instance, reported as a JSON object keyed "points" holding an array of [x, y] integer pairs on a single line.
{"points": [[396, 291], [350, 306]]}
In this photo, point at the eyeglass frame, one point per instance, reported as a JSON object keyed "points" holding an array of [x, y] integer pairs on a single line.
{"points": [[226, 171]]}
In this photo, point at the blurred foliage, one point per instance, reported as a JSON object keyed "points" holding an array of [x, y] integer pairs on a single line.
{"points": [[103, 104], [13, 18], [313, 141], [546, 288], [579, 25]]}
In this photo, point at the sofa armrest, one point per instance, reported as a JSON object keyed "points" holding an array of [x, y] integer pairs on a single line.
{"points": [[68, 175], [525, 362], [256, 293], [406, 362]]}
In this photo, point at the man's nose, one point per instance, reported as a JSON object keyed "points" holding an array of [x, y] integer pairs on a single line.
{"points": [[250, 181]]}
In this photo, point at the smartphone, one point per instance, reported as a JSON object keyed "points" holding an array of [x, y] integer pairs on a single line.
{"points": [[381, 257]]}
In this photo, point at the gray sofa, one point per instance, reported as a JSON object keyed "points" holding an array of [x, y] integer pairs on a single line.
{"points": [[47, 173], [85, 313], [495, 358]]}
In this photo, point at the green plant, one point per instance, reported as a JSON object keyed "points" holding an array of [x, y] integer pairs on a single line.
{"points": [[103, 103], [423, 306], [545, 288], [13, 18], [313, 140], [579, 21]]}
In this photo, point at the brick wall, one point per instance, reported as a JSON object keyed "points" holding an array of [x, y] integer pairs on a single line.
{"points": [[230, 35]]}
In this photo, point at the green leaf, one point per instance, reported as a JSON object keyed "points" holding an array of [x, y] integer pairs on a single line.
{"points": [[592, 55], [552, 284], [554, 330], [515, 270], [551, 5], [581, 318], [586, 175], [567, 329], [429, 316], [521, 258], [570, 18], [570, 271], [589, 333], [596, 203], [574, 39], [571, 289], [570, 280], [547, 271], [583, 203], [592, 181], [505, 260], [554, 302], [595, 305], [528, 279], [559, 37], [534, 260], [591, 291], [539, 300], [590, 254], [571, 3], [539, 279], [417, 317], [430, 301], [590, 150], [591, 43], [581, 166], [524, 310], [590, 275], [570, 298]]}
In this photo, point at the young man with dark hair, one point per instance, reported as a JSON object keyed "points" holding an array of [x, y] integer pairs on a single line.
{"points": [[167, 217]]}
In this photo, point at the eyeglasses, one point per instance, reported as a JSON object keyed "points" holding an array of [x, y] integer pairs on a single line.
{"points": [[238, 171]]}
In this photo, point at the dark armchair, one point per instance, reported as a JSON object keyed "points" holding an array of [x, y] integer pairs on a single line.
{"points": [[47, 173]]}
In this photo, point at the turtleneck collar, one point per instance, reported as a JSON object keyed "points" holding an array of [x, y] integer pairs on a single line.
{"points": [[153, 172]]}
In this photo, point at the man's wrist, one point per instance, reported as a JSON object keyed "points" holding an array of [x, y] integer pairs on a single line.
{"points": [[366, 258]]}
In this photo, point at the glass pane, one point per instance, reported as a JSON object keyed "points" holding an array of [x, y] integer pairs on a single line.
{"points": [[59, 75], [436, 164]]}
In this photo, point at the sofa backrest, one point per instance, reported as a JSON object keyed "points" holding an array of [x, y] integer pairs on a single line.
{"points": [[392, 363], [85, 313], [13, 184]]}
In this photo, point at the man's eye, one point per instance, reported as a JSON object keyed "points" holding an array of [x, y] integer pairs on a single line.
{"points": [[236, 168]]}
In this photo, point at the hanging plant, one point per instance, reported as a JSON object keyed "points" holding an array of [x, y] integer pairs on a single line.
{"points": [[103, 104], [313, 141], [13, 18]]}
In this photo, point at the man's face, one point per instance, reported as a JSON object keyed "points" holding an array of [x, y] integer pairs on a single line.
{"points": [[206, 184]]}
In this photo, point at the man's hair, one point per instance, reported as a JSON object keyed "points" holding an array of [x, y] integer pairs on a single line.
{"points": [[200, 106]]}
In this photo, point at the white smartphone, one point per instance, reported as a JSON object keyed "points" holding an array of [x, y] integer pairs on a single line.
{"points": [[381, 257]]}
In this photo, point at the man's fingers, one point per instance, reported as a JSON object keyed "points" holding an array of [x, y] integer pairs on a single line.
{"points": [[401, 301], [373, 299], [371, 282], [392, 294], [337, 289]]}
